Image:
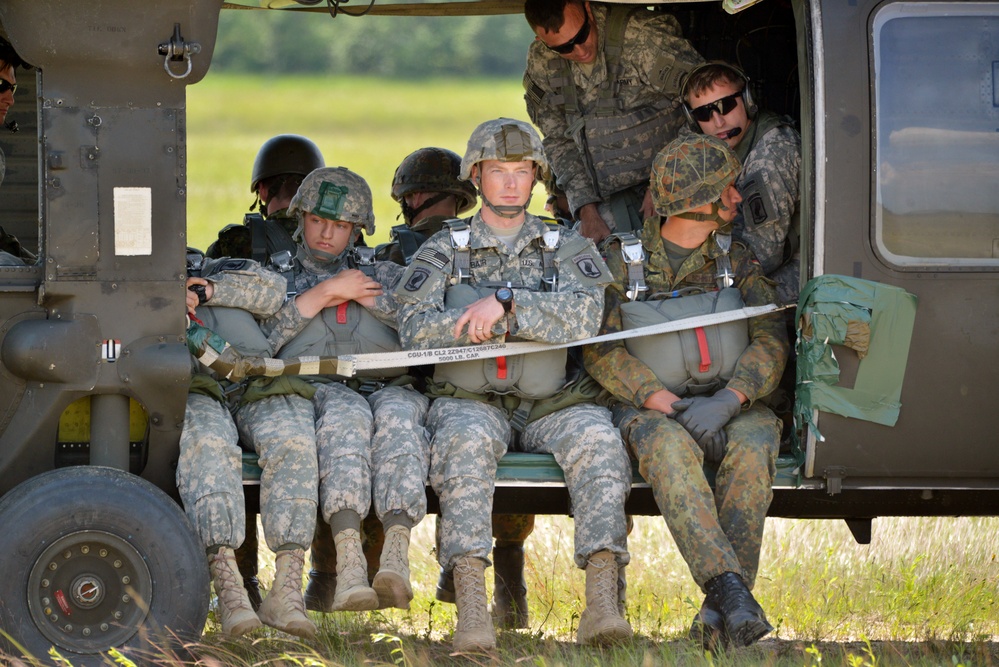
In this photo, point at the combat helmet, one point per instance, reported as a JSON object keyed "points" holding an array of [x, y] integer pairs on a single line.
{"points": [[285, 154], [691, 171], [335, 193], [431, 170], [506, 140]]}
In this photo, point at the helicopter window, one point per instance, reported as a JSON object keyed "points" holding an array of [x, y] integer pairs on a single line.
{"points": [[937, 135]]}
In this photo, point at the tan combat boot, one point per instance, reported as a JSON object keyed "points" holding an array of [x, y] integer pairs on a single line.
{"points": [[392, 581], [234, 610], [284, 607], [352, 590], [475, 629], [601, 622]]}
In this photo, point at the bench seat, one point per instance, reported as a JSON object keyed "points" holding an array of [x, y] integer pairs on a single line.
{"points": [[534, 484]]}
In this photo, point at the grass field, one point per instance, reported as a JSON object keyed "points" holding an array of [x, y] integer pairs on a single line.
{"points": [[367, 125], [924, 592]]}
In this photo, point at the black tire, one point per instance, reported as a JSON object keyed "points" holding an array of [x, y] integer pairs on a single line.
{"points": [[94, 558]]}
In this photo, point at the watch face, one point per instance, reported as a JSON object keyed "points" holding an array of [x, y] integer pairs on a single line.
{"points": [[504, 294]]}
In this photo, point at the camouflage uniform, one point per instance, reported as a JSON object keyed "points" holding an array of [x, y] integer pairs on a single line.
{"points": [[377, 441], [771, 158], [209, 469], [654, 56], [718, 531], [470, 436]]}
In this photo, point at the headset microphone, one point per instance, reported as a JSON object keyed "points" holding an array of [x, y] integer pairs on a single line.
{"points": [[733, 133], [11, 125]]}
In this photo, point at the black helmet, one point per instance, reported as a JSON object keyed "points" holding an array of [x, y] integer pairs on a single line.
{"points": [[432, 170], [285, 154]]}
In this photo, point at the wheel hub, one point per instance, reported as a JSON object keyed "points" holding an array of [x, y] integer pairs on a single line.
{"points": [[89, 591]]}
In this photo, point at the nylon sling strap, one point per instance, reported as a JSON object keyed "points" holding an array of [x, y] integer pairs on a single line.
{"points": [[215, 353]]}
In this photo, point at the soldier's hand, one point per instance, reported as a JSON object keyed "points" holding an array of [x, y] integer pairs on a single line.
{"points": [[705, 417], [591, 225], [662, 401], [648, 208], [349, 285], [193, 301], [480, 318]]}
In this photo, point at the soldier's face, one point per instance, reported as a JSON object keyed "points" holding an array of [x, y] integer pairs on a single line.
{"points": [[730, 199], [577, 30], [506, 183], [722, 126], [7, 96], [330, 236]]}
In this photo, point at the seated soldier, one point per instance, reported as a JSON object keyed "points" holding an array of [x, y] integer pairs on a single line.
{"points": [[684, 398], [369, 430], [507, 273], [228, 295]]}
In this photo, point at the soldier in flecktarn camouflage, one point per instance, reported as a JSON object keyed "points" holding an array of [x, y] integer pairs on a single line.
{"points": [[230, 296], [506, 275], [683, 402], [603, 85], [369, 431]]}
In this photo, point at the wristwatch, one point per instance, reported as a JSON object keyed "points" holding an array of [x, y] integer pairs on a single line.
{"points": [[505, 296]]}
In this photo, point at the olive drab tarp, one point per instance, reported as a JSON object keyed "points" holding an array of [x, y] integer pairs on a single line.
{"points": [[875, 321]]}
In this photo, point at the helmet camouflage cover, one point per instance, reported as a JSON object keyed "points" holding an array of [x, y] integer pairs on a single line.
{"points": [[693, 170], [432, 170], [335, 193], [506, 140]]}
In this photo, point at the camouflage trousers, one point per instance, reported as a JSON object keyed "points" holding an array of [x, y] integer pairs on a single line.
{"points": [[469, 438], [281, 429], [715, 531], [400, 453], [377, 443], [344, 426], [209, 473], [597, 474]]}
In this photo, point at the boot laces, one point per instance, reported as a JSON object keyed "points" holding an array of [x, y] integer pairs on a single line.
{"points": [[396, 548], [228, 582], [605, 585], [731, 596], [290, 590], [471, 582], [352, 569]]}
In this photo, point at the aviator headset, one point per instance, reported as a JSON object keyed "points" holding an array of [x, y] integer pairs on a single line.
{"points": [[747, 95]]}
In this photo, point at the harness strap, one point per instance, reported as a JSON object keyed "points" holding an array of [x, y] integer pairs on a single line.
{"points": [[461, 264], [549, 246], [634, 259]]}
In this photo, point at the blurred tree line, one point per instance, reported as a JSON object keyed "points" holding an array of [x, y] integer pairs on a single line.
{"points": [[411, 46]]}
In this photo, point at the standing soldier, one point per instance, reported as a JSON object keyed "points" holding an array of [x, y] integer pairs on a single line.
{"points": [[227, 296], [369, 430], [507, 273], [603, 85], [689, 397], [717, 97]]}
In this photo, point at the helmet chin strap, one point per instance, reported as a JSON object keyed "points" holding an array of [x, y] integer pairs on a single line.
{"points": [[724, 226], [409, 213]]}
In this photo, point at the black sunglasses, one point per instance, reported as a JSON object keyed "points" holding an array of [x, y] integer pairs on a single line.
{"points": [[581, 36], [6, 85], [723, 106]]}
